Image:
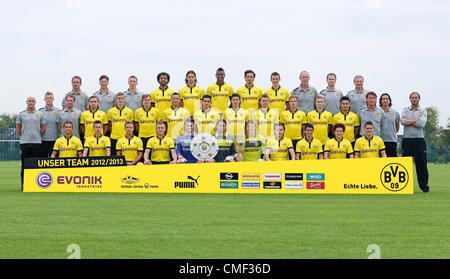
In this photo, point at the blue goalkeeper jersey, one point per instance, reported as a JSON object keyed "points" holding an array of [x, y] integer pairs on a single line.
{"points": [[183, 147]]}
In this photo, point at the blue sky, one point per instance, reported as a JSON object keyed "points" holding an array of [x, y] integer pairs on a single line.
{"points": [[398, 46]]}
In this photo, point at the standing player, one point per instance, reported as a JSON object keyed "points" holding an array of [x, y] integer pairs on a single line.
{"points": [[129, 145], [338, 147], [104, 95], [175, 116], [161, 96], [293, 120], [309, 148], [332, 95], [372, 113], [183, 143], [391, 125], [254, 148], [235, 118], [117, 116], [249, 93], [50, 114], [30, 126], [145, 119], [349, 119], [321, 119], [358, 96], [206, 119], [414, 118], [160, 149], [279, 96], [81, 99], [98, 144], [265, 118], [220, 92], [69, 113], [279, 148], [306, 94], [191, 94], [67, 145], [133, 97], [369, 146], [88, 118]]}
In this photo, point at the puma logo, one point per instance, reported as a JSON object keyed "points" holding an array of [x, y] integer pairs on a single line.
{"points": [[193, 179]]}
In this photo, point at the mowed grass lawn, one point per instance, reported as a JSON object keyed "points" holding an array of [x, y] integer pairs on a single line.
{"points": [[196, 226]]}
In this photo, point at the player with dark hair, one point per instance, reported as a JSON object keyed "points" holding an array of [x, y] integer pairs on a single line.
{"points": [[220, 92], [191, 94], [249, 93], [183, 143], [338, 147], [279, 148], [162, 96], [309, 148], [369, 146], [391, 125], [68, 145]]}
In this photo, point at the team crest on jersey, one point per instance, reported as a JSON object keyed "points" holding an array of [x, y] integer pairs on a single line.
{"points": [[75, 114], [55, 112], [391, 114], [337, 94], [419, 112], [311, 93], [378, 114], [37, 115], [109, 96]]}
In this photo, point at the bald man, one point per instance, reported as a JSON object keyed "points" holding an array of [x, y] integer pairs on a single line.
{"points": [[30, 126]]}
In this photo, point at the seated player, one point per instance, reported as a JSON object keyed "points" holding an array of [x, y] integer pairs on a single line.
{"points": [[226, 152], [338, 147], [98, 144], [369, 146], [254, 145], [293, 120], [67, 145], [160, 149], [206, 119], [129, 145], [279, 148], [309, 148], [145, 119], [183, 143]]}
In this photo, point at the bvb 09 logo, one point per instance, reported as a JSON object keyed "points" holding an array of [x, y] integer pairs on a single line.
{"points": [[394, 177]]}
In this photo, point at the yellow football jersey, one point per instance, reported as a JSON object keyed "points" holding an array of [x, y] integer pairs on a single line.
{"points": [[250, 97], [309, 150], [265, 121], [279, 149], [205, 122], [97, 146], [278, 98], [117, 118], [220, 95], [162, 98], [87, 119], [130, 147], [68, 147], [321, 121], [175, 121], [147, 121], [293, 122], [236, 120], [350, 121], [369, 148], [338, 150], [160, 149], [192, 98]]}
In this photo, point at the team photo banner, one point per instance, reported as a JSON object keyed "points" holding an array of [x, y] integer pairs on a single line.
{"points": [[346, 176]]}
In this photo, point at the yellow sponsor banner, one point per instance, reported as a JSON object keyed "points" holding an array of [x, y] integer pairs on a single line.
{"points": [[348, 176]]}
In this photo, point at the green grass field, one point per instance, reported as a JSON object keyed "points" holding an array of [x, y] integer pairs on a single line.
{"points": [[192, 226]]}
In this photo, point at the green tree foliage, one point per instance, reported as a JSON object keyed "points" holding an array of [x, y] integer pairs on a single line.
{"points": [[432, 128], [8, 120]]}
